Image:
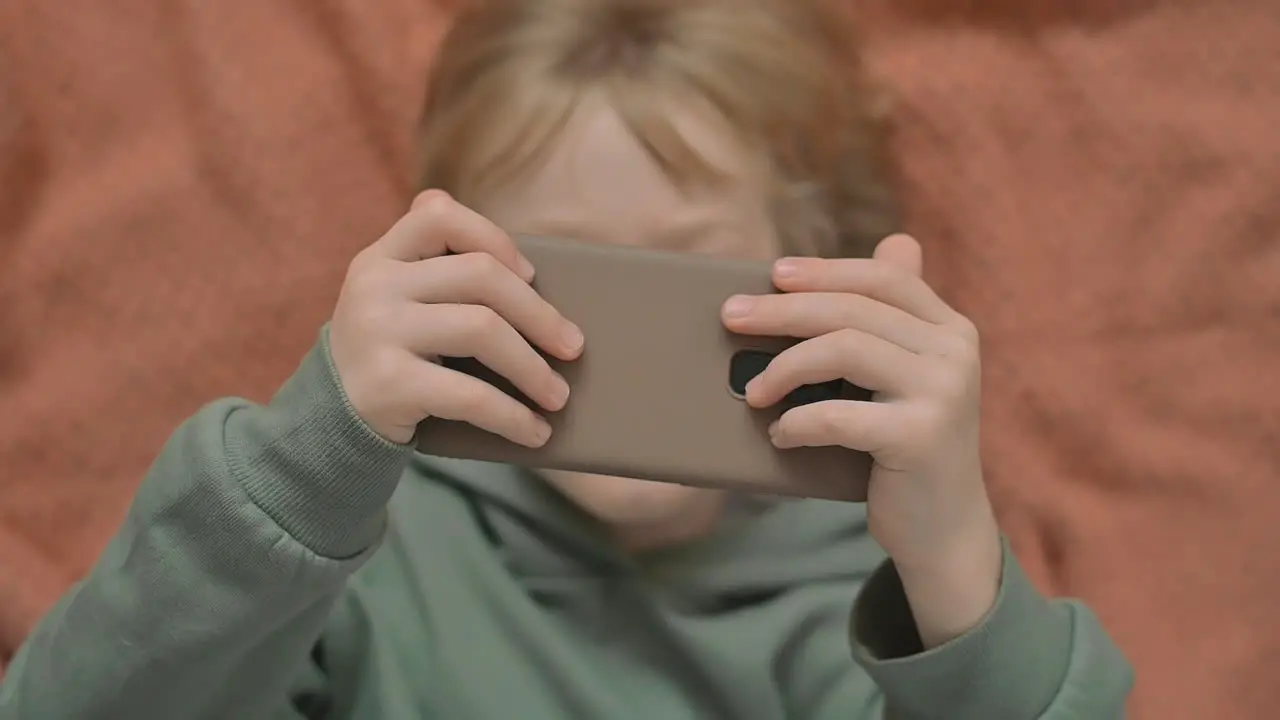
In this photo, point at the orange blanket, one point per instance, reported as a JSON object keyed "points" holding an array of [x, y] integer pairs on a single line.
{"points": [[182, 183]]}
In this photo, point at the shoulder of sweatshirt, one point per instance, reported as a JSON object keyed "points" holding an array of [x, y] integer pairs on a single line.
{"points": [[239, 540]]}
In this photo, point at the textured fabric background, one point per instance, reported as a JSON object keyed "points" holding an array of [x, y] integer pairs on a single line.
{"points": [[182, 184]]}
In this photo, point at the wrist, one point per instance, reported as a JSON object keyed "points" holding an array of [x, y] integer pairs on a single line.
{"points": [[951, 592]]}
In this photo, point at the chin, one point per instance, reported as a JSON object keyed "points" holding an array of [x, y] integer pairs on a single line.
{"points": [[628, 501]]}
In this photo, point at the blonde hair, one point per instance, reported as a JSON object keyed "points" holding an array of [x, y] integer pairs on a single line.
{"points": [[784, 75]]}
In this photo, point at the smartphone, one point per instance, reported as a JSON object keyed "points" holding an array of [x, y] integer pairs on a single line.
{"points": [[657, 393]]}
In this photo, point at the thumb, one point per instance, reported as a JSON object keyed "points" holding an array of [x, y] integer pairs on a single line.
{"points": [[901, 251]]}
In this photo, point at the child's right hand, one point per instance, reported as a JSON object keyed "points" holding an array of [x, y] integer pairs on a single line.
{"points": [[445, 281]]}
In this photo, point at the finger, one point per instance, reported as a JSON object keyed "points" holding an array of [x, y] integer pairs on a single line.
{"points": [[438, 224], [476, 331], [807, 315], [857, 425], [875, 279], [862, 359], [903, 252], [451, 395], [480, 279]]}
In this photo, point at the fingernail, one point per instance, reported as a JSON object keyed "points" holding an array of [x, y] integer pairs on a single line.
{"points": [[751, 385], [541, 433], [559, 393], [739, 306], [525, 268], [778, 437], [775, 434], [786, 268], [572, 336]]}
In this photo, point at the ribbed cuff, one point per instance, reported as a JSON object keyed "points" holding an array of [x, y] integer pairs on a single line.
{"points": [[1010, 666], [314, 466]]}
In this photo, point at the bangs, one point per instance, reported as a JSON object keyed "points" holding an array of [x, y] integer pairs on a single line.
{"points": [[649, 113], [473, 159]]}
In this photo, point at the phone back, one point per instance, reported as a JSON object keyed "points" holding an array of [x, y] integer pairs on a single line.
{"points": [[656, 393]]}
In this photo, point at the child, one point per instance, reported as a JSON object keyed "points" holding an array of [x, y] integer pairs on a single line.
{"points": [[265, 570]]}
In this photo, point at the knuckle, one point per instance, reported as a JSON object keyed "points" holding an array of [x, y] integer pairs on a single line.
{"points": [[481, 323], [849, 345], [968, 331], [783, 367], [366, 277], [778, 308], [853, 310], [828, 421], [885, 278], [831, 422], [848, 340], [435, 213], [433, 203], [481, 267], [969, 360], [960, 351], [498, 413], [360, 267], [468, 403], [513, 416], [960, 344]]}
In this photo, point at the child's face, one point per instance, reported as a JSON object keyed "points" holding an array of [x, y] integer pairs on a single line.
{"points": [[599, 185]]}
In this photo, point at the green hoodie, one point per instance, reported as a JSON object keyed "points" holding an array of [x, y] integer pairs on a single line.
{"points": [[260, 574]]}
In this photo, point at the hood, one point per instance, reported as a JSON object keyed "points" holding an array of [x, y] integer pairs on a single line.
{"points": [[557, 549]]}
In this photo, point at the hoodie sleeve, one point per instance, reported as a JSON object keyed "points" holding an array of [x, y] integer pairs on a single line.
{"points": [[1030, 659], [208, 601]]}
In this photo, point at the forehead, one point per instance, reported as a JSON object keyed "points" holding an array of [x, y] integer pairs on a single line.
{"points": [[597, 182]]}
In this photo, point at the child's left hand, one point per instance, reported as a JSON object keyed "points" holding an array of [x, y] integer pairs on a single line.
{"points": [[876, 324]]}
